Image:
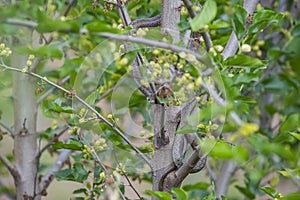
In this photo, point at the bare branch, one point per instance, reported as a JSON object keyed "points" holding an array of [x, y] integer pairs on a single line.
{"points": [[48, 178], [154, 43], [147, 22], [29, 24], [222, 182], [125, 175], [210, 172], [232, 44], [4, 125], [11, 168], [48, 92], [70, 4]]}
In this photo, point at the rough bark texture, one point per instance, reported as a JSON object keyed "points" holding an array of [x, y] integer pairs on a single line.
{"points": [[25, 145], [162, 162]]}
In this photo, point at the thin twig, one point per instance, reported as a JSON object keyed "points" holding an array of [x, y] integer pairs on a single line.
{"points": [[125, 175], [210, 172], [154, 43], [70, 4], [110, 124], [55, 137], [19, 22], [46, 94], [3, 124]]}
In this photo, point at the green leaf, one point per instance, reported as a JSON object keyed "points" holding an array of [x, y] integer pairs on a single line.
{"points": [[245, 61], [196, 186], [186, 129], [65, 174], [270, 191], [77, 174], [222, 150], [99, 26], [291, 196], [46, 25], [238, 21], [296, 135], [80, 190], [262, 19], [246, 191], [80, 174], [245, 99], [291, 123], [72, 145], [206, 15], [160, 195], [50, 108], [296, 31], [47, 51], [180, 193]]}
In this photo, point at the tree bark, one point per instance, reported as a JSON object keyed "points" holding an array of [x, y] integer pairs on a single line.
{"points": [[170, 18], [25, 141]]}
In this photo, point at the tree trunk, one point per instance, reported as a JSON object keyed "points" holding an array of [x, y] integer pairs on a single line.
{"points": [[165, 120], [25, 142]]}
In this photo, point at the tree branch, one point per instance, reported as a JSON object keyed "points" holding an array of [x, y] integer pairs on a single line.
{"points": [[138, 61], [110, 124], [69, 6], [232, 44], [46, 94], [222, 182], [48, 178], [13, 21], [154, 43], [7, 128], [11, 168]]}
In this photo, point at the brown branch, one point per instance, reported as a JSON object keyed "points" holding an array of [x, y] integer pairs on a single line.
{"points": [[69, 6]]}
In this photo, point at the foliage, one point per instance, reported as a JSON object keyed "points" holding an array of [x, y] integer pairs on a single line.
{"points": [[260, 83]]}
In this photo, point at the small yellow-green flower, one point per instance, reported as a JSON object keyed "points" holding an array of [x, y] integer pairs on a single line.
{"points": [[246, 48], [201, 126], [248, 128], [81, 120], [54, 124], [29, 63], [102, 176], [31, 57], [109, 116], [140, 33], [25, 69]]}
